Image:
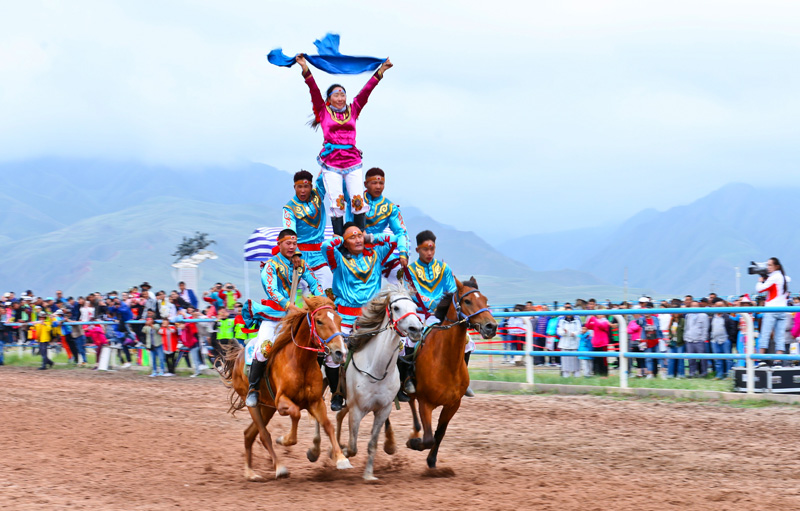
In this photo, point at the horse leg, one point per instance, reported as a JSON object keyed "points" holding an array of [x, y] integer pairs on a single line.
{"points": [[291, 438], [339, 420], [266, 439], [354, 421], [426, 442], [317, 410], [250, 435], [441, 428], [415, 431], [389, 445], [313, 452], [381, 417]]}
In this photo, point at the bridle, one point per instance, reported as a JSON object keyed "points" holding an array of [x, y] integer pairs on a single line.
{"points": [[312, 326], [395, 322], [463, 318]]}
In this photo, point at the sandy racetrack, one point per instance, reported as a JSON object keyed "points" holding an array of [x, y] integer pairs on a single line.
{"points": [[78, 439]]}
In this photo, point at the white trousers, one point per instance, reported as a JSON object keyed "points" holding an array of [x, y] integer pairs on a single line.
{"points": [[324, 277], [334, 185], [267, 332]]}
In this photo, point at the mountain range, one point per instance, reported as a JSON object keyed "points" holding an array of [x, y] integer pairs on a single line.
{"points": [[82, 226], [85, 225]]}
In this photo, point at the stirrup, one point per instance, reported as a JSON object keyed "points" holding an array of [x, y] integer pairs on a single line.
{"points": [[402, 396], [409, 387], [337, 403]]}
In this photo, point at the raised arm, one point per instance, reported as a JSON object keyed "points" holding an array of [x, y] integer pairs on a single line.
{"points": [[361, 99], [398, 228], [317, 100]]}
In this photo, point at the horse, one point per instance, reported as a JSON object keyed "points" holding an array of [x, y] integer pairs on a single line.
{"points": [[372, 379], [293, 379], [441, 372]]}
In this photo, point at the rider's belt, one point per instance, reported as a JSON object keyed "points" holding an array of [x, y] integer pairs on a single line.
{"points": [[309, 247], [348, 311], [272, 304], [328, 148]]}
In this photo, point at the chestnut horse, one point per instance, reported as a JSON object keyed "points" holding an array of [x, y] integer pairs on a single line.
{"points": [[441, 372], [295, 381]]}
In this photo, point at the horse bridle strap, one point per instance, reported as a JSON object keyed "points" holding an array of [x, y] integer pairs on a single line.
{"points": [[401, 318], [312, 327], [461, 316]]}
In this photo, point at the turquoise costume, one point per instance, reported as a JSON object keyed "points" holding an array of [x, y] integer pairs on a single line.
{"points": [[432, 281], [276, 278], [382, 213], [308, 220], [356, 278]]}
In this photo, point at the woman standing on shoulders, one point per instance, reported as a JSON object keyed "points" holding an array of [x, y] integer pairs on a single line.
{"points": [[339, 159]]}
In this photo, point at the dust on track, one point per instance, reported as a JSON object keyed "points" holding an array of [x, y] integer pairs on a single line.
{"points": [[82, 440]]}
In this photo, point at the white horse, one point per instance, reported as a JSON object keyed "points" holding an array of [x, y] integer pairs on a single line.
{"points": [[372, 378]]}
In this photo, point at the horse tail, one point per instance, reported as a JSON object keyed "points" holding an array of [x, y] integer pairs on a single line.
{"points": [[229, 354]]}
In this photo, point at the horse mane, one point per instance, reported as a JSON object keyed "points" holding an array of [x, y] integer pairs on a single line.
{"points": [[372, 316], [289, 323]]}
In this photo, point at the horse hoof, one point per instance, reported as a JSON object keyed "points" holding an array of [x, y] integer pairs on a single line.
{"points": [[312, 455], [415, 444], [343, 464], [431, 463], [370, 477], [389, 449], [348, 453], [255, 478], [282, 473]]}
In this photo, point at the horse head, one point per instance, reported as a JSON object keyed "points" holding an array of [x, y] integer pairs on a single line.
{"points": [[325, 325], [402, 311], [471, 305]]}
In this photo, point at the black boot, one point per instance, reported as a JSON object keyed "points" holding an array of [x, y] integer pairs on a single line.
{"points": [[360, 220], [402, 368], [337, 223], [337, 400], [256, 373]]}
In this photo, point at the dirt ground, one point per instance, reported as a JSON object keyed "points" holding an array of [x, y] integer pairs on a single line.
{"points": [[76, 439]]}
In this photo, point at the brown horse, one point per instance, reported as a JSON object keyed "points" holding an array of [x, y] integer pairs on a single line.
{"points": [[295, 379], [441, 372]]}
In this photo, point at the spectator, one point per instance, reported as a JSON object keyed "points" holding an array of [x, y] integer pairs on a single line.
{"points": [[187, 294], [695, 334], [165, 310], [169, 338], [179, 303], [635, 344], [773, 323], [506, 337], [676, 367], [222, 333], [722, 333], [212, 296], [569, 330], [651, 329], [5, 332], [600, 328], [153, 342], [44, 332], [190, 341], [540, 329], [585, 345]]}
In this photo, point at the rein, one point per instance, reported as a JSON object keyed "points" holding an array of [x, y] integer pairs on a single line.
{"points": [[312, 327], [392, 324]]}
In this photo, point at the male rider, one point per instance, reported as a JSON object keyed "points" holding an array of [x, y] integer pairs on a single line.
{"points": [[305, 215], [356, 280], [432, 279], [276, 278]]}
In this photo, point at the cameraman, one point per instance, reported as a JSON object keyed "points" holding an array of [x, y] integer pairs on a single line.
{"points": [[775, 284]]}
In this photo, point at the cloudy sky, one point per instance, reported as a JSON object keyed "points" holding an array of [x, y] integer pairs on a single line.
{"points": [[500, 117]]}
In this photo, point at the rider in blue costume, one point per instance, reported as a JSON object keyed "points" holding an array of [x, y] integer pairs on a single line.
{"points": [[356, 280], [382, 213], [276, 278], [305, 214], [432, 279]]}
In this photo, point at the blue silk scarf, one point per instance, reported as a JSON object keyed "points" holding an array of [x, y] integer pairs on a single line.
{"points": [[329, 58]]}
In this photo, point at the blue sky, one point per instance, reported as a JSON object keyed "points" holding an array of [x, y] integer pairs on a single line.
{"points": [[500, 117]]}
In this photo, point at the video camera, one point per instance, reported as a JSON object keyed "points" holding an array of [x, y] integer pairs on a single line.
{"points": [[757, 269]]}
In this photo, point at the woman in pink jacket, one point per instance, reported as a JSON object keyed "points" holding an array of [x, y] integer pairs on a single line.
{"points": [[97, 335], [601, 328], [339, 159]]}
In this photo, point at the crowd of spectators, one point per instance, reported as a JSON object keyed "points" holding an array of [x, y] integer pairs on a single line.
{"points": [[137, 319], [652, 332]]}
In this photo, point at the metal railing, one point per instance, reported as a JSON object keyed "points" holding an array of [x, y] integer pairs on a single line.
{"points": [[624, 355]]}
